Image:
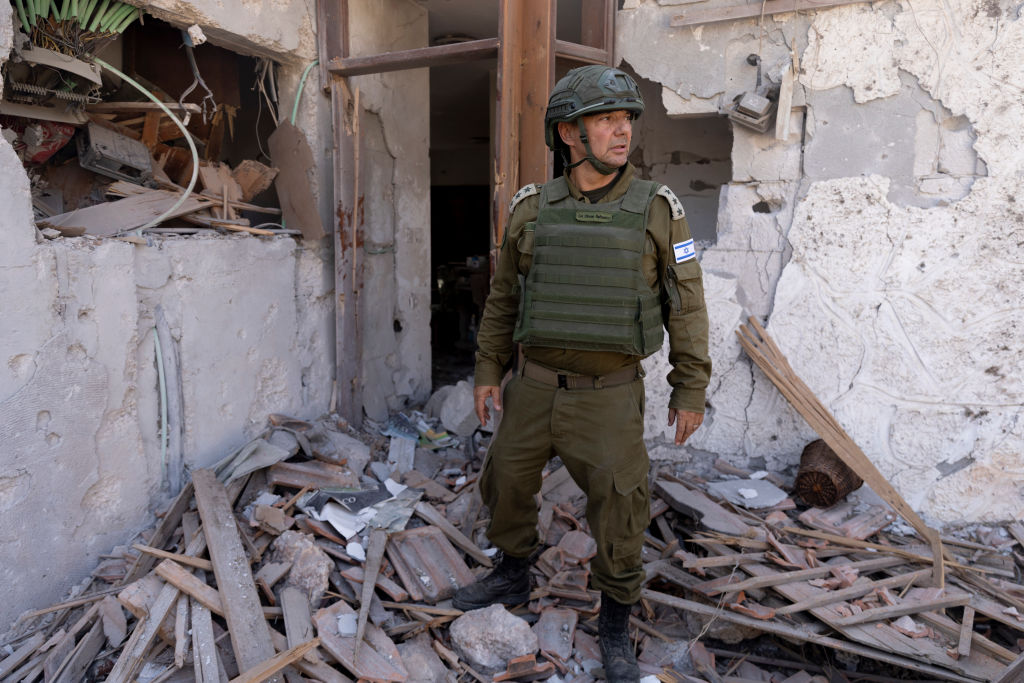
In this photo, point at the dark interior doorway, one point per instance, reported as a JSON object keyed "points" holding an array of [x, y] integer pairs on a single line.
{"points": [[460, 205]]}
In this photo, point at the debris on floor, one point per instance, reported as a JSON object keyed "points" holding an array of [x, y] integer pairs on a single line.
{"points": [[319, 553]]}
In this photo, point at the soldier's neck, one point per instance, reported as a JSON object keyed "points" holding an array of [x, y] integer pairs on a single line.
{"points": [[588, 178]]}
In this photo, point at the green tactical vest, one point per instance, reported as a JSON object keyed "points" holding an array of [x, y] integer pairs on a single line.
{"points": [[585, 288]]}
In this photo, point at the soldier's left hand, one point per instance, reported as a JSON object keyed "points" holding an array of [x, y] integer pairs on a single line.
{"points": [[686, 423]]}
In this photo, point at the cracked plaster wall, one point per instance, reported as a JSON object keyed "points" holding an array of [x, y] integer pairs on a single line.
{"points": [[395, 198], [887, 265], [80, 453]]}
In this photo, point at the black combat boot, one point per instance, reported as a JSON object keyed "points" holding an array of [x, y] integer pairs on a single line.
{"points": [[508, 584], [613, 635]]}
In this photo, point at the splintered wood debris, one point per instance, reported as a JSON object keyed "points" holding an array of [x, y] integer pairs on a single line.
{"points": [[289, 561]]}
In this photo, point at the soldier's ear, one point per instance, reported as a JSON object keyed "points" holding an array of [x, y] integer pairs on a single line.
{"points": [[568, 132]]}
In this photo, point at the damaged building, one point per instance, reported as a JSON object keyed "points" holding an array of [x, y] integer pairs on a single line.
{"points": [[307, 226]]}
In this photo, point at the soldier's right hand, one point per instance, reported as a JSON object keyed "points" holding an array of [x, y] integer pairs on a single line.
{"points": [[480, 396]]}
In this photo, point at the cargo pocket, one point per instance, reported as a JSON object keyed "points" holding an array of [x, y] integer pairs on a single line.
{"points": [[685, 286], [633, 516]]}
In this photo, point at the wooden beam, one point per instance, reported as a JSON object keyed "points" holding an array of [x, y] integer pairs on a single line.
{"points": [[580, 53], [250, 635], [347, 354], [416, 58], [782, 578], [538, 74], [752, 9], [854, 591], [905, 607], [179, 577], [197, 562], [332, 30], [506, 127], [963, 647]]}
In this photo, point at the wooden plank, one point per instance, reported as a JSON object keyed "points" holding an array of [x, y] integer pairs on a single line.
{"points": [[250, 635], [580, 53], [855, 591], [417, 480], [292, 155], [537, 70], [19, 656], [181, 621], [312, 473], [130, 213], [752, 9], [377, 657], [204, 646], [179, 577], [312, 665], [950, 628], [74, 668], [416, 58], [332, 35], [374, 555], [430, 514], [956, 599], [197, 562], [64, 648], [275, 663], [347, 353], [506, 126], [146, 630], [781, 578], [1014, 673], [802, 635], [298, 615], [963, 647], [785, 108]]}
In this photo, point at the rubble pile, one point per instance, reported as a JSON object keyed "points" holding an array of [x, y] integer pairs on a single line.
{"points": [[319, 553]]}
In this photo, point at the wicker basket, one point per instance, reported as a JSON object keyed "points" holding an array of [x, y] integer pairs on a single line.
{"points": [[824, 479]]}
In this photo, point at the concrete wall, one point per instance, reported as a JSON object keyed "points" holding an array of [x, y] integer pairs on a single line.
{"points": [[395, 194], [881, 241], [252, 320]]}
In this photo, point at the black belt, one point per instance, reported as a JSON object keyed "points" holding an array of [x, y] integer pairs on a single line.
{"points": [[541, 374]]}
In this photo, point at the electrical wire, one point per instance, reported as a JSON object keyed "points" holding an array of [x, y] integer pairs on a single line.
{"points": [[302, 83], [163, 402], [188, 138]]}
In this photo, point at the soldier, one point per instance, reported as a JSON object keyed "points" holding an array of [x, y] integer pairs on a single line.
{"points": [[594, 267]]}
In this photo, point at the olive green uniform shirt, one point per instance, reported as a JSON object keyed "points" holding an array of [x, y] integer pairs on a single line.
{"points": [[683, 308]]}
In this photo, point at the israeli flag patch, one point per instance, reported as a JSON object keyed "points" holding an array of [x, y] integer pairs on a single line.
{"points": [[684, 251]]}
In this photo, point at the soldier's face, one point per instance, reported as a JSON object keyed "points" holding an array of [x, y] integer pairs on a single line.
{"points": [[610, 133]]}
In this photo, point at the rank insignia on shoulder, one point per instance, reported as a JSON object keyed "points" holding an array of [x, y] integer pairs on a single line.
{"points": [[523, 193], [673, 202]]}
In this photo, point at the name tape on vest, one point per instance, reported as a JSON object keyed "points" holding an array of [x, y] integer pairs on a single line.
{"points": [[674, 204], [684, 251], [594, 216]]}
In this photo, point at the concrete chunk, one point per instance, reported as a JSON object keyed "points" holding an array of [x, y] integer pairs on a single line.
{"points": [[457, 412], [491, 637]]}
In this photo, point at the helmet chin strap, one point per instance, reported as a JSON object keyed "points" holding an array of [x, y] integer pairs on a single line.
{"points": [[599, 166]]}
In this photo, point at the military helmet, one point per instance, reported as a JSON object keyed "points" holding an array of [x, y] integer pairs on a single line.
{"points": [[588, 90]]}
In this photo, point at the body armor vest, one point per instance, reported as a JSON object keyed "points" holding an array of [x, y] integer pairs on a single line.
{"points": [[585, 288]]}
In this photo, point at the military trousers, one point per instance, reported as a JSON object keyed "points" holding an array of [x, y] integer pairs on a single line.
{"points": [[598, 435]]}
